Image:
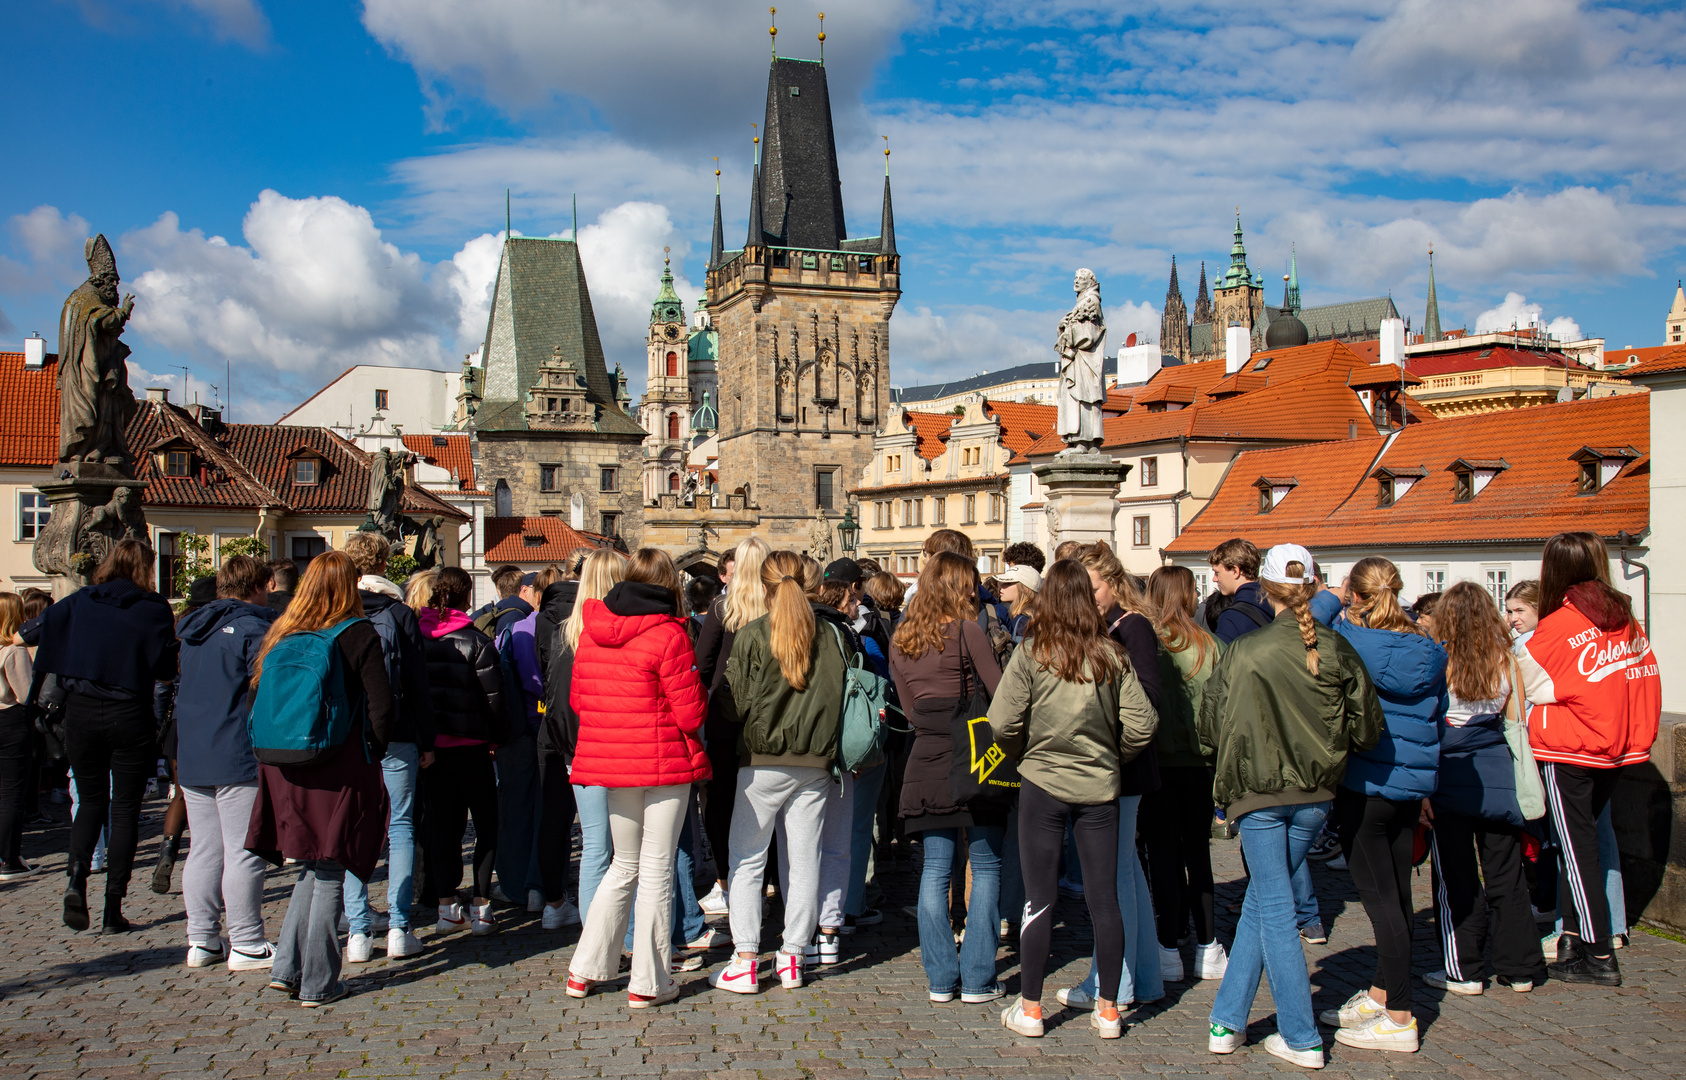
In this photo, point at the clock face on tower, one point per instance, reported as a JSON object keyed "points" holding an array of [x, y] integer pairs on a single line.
{"points": [[671, 333]]}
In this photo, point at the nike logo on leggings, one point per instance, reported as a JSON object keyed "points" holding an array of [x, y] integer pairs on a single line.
{"points": [[1030, 917]]}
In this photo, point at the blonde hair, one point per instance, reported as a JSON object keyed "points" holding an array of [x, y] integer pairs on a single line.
{"points": [[746, 600], [368, 551], [1125, 588], [418, 591], [1022, 602], [1375, 584], [790, 621], [1297, 598], [11, 616], [813, 575], [599, 573]]}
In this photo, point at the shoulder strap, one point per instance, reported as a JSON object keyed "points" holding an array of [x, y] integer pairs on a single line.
{"points": [[842, 646], [1513, 701], [333, 632]]}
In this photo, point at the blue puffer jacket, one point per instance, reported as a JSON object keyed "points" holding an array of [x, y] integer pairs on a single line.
{"points": [[219, 643], [1409, 671], [1477, 778]]}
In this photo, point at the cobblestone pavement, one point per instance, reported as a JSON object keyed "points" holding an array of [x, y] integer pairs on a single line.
{"points": [[116, 1007]]}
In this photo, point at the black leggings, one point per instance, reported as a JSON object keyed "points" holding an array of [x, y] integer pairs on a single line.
{"points": [[1042, 821], [721, 795], [16, 761], [113, 752], [1176, 820], [1575, 796], [1376, 836], [459, 783], [556, 827]]}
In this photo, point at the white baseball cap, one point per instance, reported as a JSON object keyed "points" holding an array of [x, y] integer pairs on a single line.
{"points": [[1020, 574], [1276, 562]]}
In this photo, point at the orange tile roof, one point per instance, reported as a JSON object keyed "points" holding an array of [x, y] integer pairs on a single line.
{"points": [[29, 422], [1381, 376], [1239, 383], [448, 452], [1022, 424], [1535, 497], [1659, 362], [930, 432], [507, 540]]}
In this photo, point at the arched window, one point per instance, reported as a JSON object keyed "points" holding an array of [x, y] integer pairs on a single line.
{"points": [[673, 425], [503, 505], [672, 364], [673, 481]]}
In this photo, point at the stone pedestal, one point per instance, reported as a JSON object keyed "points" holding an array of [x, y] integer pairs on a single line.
{"points": [[93, 508], [1081, 496]]}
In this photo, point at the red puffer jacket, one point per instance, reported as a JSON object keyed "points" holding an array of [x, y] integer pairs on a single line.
{"points": [[637, 694]]}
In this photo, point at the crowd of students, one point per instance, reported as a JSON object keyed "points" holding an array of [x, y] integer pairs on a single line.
{"points": [[1054, 713]]}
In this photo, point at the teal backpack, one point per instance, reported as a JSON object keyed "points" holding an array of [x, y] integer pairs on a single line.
{"points": [[861, 732], [301, 714]]}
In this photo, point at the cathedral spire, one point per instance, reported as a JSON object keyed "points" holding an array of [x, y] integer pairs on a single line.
{"points": [[1174, 287], [1431, 319], [1203, 299]]}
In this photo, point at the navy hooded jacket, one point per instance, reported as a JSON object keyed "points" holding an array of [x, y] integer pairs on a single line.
{"points": [[1409, 671], [117, 634], [219, 643], [1235, 620]]}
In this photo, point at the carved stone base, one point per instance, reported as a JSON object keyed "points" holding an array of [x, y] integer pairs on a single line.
{"points": [[93, 508], [1081, 497]]}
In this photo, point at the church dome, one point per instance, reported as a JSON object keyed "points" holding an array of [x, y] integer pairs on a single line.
{"points": [[1285, 332], [704, 421]]}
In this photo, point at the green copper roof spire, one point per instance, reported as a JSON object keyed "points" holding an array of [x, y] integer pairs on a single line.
{"points": [[668, 307], [1431, 319], [1238, 274], [1293, 280]]}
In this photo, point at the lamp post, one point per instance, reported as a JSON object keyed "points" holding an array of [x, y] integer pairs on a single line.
{"points": [[848, 533]]}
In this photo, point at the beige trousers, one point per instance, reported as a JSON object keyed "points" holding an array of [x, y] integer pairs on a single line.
{"points": [[644, 825]]}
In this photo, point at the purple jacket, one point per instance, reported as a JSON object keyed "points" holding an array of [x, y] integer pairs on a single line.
{"points": [[524, 644]]}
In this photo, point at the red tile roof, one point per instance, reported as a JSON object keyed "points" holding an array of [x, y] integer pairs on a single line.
{"points": [[1538, 495], [930, 432], [1483, 359], [448, 452], [1659, 362], [29, 421], [1022, 424], [552, 540], [1381, 376]]}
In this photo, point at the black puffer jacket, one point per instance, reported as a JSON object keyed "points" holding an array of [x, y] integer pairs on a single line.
{"points": [[465, 683], [561, 727]]}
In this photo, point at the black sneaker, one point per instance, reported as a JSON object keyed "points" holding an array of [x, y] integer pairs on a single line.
{"points": [[1312, 933], [1586, 968], [870, 917], [340, 990]]}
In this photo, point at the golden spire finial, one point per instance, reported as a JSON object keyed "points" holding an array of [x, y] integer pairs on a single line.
{"points": [[886, 139], [667, 259], [717, 176], [773, 30], [822, 37]]}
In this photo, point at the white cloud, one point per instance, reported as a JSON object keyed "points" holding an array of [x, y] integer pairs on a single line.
{"points": [[52, 244], [1515, 311], [957, 342], [230, 20]]}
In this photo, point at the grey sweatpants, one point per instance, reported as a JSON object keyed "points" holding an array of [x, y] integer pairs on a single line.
{"points": [[765, 794], [221, 875]]}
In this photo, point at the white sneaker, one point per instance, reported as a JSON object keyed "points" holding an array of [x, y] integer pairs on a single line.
{"points": [[1360, 1009], [1336, 863], [556, 917], [535, 901], [789, 966], [451, 918], [1305, 1059], [401, 943], [1222, 1040], [1074, 999], [830, 948], [570, 913], [1548, 946], [381, 924], [709, 939], [1014, 1019], [715, 902], [480, 921], [1170, 965], [1384, 1034], [242, 960], [1107, 1029], [499, 896], [740, 976], [1443, 981], [359, 949], [681, 962], [206, 954], [1210, 960], [980, 997]]}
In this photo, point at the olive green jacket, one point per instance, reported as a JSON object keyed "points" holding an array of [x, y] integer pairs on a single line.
{"points": [[1182, 685], [1281, 734], [1070, 739], [782, 725]]}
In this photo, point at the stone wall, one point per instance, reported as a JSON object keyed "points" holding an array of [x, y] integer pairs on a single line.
{"points": [[516, 457]]}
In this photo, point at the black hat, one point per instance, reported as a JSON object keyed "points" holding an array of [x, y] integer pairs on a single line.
{"points": [[844, 571], [203, 590], [528, 581]]}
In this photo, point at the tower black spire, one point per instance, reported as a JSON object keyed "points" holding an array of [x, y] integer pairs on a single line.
{"points": [[887, 226], [718, 247], [757, 236], [798, 195]]}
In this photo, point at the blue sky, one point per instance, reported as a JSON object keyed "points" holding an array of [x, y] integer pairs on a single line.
{"points": [[295, 187]]}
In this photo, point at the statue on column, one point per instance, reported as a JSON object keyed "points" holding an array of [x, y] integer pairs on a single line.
{"points": [[386, 493], [95, 402], [819, 537], [1081, 344]]}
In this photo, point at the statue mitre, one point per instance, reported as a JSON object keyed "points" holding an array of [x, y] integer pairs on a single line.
{"points": [[100, 259]]}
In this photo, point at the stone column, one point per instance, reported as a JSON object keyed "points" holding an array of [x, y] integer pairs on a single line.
{"points": [[93, 507], [1081, 497]]}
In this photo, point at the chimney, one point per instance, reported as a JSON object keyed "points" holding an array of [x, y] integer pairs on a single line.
{"points": [[34, 353], [1238, 348], [1393, 342], [158, 393]]}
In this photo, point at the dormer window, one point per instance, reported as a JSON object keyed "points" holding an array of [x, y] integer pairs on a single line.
{"points": [[1599, 465], [1273, 489], [305, 472], [177, 463], [1392, 484], [1471, 476]]}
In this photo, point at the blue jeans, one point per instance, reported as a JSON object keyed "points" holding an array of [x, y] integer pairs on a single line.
{"points": [[399, 768], [520, 808], [597, 848], [1275, 839], [308, 955], [1609, 861], [974, 966], [1143, 979], [1306, 910], [867, 786], [688, 924]]}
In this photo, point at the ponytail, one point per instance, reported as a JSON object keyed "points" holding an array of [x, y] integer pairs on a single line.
{"points": [[789, 618], [1297, 598], [1375, 585]]}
